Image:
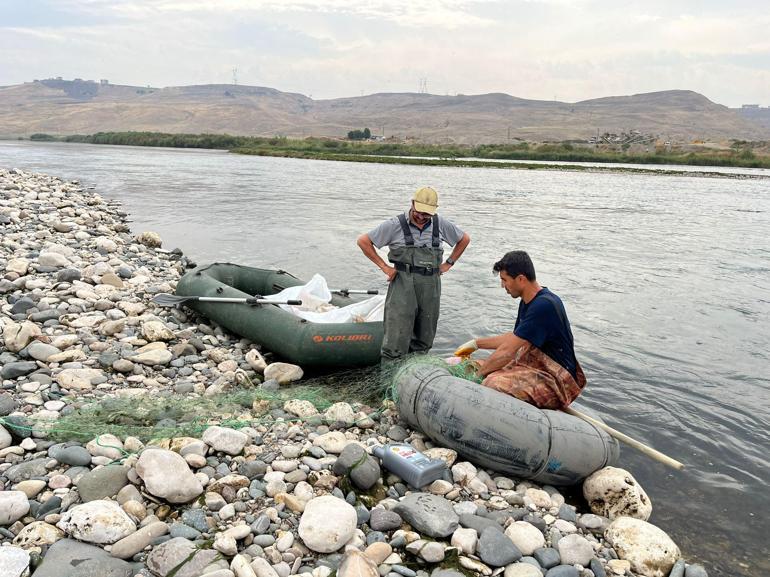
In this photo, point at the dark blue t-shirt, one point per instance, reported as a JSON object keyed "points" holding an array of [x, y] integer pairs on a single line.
{"points": [[540, 323]]}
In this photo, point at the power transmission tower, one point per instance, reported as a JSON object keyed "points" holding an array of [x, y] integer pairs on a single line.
{"points": [[423, 86], [235, 76]]}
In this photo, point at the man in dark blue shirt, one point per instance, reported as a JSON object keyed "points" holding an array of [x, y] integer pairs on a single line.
{"points": [[536, 362]]}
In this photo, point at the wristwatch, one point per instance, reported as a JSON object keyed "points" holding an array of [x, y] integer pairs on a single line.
{"points": [[450, 261]]}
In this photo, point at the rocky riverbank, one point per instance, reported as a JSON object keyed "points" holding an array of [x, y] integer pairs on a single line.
{"points": [[295, 492]]}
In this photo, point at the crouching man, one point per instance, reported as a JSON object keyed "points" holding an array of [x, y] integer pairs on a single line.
{"points": [[536, 362]]}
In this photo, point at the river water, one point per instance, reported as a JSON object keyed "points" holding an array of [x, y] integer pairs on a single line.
{"points": [[666, 280]]}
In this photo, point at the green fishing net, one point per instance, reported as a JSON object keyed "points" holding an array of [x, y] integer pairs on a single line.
{"points": [[169, 414]]}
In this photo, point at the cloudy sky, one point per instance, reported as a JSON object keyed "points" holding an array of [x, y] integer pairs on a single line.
{"points": [[568, 50]]}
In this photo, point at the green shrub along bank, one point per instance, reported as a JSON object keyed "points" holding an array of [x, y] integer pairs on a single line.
{"points": [[741, 154]]}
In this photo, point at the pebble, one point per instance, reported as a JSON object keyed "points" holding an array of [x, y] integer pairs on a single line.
{"points": [[496, 549], [326, 524], [526, 537], [522, 570], [429, 514]]}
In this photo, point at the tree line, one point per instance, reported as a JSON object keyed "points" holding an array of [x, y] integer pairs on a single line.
{"points": [[741, 154]]}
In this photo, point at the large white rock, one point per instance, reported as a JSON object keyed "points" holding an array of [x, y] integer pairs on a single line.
{"points": [[575, 550], [300, 408], [102, 522], [157, 331], [18, 335], [78, 379], [154, 356], [53, 259], [327, 524], [341, 412], [613, 492], [525, 536], [356, 564], [105, 445], [181, 554], [283, 372], [650, 551], [17, 265], [149, 238], [13, 506], [465, 540], [539, 497], [167, 475], [37, 534], [332, 442], [13, 561], [58, 248], [105, 244], [225, 440]]}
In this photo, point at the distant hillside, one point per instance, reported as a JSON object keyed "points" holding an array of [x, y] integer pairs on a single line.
{"points": [[757, 116], [62, 107]]}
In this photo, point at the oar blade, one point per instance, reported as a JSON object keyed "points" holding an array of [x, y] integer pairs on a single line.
{"points": [[169, 300]]}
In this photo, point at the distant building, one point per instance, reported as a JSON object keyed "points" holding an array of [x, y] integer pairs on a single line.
{"points": [[104, 82], [752, 106]]}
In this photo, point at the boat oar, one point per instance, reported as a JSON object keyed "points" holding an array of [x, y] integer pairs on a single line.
{"points": [[346, 292], [167, 300], [649, 451]]}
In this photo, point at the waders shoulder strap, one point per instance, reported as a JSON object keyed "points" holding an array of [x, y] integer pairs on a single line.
{"points": [[408, 238], [435, 239]]}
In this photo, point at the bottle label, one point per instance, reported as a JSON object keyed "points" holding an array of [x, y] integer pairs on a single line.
{"points": [[410, 454]]}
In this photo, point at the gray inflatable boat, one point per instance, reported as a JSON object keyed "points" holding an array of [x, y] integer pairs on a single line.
{"points": [[500, 432]]}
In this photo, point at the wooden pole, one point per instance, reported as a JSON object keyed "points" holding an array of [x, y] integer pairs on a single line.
{"points": [[649, 451]]}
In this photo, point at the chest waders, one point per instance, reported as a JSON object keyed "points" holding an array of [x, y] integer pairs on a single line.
{"points": [[414, 295]]}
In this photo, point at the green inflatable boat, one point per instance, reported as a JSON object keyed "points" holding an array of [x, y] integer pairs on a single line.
{"points": [[296, 340]]}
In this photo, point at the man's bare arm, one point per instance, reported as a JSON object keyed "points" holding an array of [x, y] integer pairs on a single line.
{"points": [[506, 346], [460, 247], [367, 247]]}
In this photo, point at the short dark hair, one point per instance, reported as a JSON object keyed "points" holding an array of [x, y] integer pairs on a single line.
{"points": [[515, 263]]}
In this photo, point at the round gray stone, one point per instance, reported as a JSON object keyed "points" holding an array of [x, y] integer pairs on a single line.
{"points": [[383, 520], [102, 482], [563, 571], [496, 549], [547, 557], [428, 514], [17, 369], [74, 455]]}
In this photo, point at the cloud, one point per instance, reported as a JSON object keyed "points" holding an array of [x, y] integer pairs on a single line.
{"points": [[569, 49]]}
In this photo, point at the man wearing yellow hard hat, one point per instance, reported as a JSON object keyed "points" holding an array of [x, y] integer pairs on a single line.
{"points": [[415, 240]]}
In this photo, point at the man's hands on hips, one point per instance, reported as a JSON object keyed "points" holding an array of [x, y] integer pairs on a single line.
{"points": [[390, 272], [444, 267]]}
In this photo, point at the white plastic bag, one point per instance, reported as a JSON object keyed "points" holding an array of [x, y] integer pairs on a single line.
{"points": [[316, 305]]}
